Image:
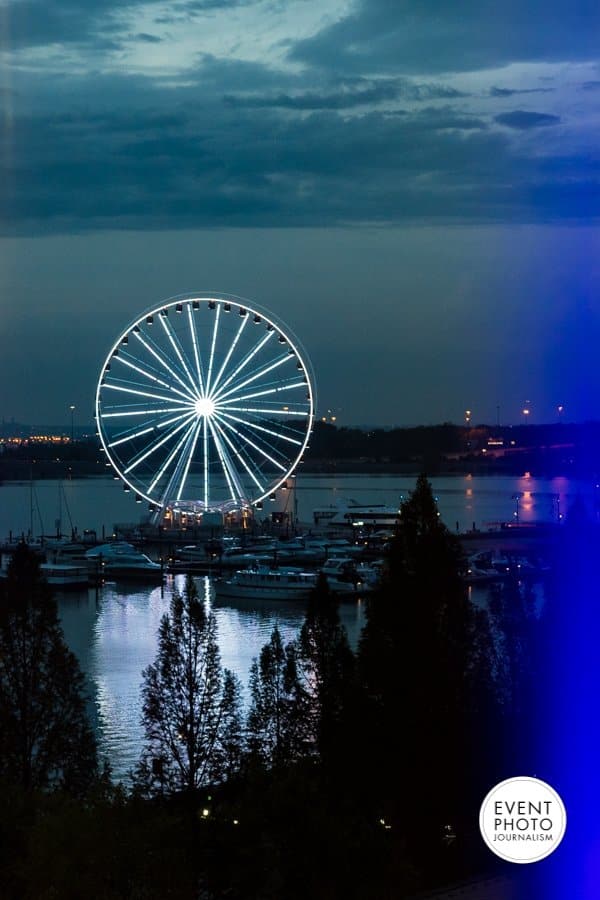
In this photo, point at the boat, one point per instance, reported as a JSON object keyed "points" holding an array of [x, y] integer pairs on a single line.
{"points": [[346, 577], [355, 515], [266, 583], [65, 576], [121, 560]]}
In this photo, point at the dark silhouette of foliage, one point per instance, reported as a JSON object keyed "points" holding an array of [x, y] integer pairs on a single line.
{"points": [[46, 742], [422, 653], [189, 710], [277, 717], [327, 666]]}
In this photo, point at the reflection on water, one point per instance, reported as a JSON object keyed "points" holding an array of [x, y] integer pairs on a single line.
{"points": [[98, 503], [114, 637]]}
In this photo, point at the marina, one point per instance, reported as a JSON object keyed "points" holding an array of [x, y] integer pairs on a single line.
{"points": [[112, 624]]}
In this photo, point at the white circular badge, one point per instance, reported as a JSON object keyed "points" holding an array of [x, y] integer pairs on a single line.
{"points": [[522, 820]]}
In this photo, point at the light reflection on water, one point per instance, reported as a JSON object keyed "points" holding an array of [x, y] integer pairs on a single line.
{"points": [[98, 503], [114, 637]]}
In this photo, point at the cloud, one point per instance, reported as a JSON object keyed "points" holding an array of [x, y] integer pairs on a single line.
{"points": [[311, 100], [523, 120], [347, 95], [510, 92], [98, 23], [152, 157], [148, 38], [34, 23], [451, 35], [230, 141]]}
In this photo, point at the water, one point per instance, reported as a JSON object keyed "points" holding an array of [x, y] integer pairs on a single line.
{"points": [[113, 631], [98, 503]]}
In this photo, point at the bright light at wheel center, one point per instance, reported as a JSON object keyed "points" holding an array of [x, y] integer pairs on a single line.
{"points": [[204, 407]]}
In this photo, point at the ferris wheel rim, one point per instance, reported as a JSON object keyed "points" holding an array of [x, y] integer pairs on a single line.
{"points": [[192, 433]]}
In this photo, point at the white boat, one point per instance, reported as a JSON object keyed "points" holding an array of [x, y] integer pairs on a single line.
{"points": [[354, 515], [65, 576], [265, 583], [345, 576], [122, 560]]}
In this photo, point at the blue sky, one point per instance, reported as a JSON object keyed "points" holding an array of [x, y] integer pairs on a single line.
{"points": [[413, 187]]}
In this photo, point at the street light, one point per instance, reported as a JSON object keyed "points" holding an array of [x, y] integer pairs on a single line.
{"points": [[556, 498], [467, 416], [72, 408], [516, 498]]}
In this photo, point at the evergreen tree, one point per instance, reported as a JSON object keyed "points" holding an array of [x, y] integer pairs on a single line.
{"points": [[189, 710], [327, 666], [45, 738], [231, 746], [276, 721], [423, 660]]}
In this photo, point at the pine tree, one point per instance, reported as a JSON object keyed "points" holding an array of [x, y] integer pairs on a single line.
{"points": [[45, 738], [327, 666], [276, 721], [189, 710], [423, 666], [229, 754]]}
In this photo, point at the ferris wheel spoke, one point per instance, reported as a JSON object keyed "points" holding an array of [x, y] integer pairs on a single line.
{"points": [[138, 393], [205, 459], [242, 365], [188, 456], [176, 347], [143, 412], [169, 368], [272, 390], [234, 343], [264, 370], [197, 357], [237, 453], [229, 471], [266, 443], [122, 358], [172, 455], [269, 412], [248, 424], [212, 348], [130, 435], [251, 443], [155, 445]]}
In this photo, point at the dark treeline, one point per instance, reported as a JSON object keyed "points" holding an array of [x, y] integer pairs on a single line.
{"points": [[346, 775], [559, 448]]}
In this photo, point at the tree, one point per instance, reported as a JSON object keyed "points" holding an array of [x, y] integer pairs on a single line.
{"points": [[276, 732], [421, 660], [230, 749], [46, 741], [327, 666], [190, 709]]}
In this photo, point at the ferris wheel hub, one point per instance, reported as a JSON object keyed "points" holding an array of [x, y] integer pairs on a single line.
{"points": [[204, 407]]}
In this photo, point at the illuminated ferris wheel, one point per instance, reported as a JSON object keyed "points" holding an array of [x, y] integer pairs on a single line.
{"points": [[205, 403]]}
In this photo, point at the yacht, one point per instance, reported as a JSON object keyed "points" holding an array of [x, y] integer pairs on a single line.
{"points": [[121, 560], [354, 515], [346, 576], [66, 576], [265, 583]]}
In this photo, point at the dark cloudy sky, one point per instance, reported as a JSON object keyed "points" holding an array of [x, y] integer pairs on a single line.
{"points": [[412, 185]]}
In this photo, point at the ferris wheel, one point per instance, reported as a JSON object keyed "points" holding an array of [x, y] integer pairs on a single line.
{"points": [[205, 403]]}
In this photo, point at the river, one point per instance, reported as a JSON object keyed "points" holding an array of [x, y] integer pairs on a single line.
{"points": [[113, 630]]}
